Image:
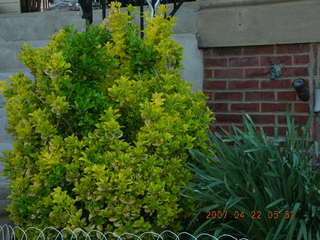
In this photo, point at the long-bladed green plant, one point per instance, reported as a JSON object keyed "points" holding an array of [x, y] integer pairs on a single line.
{"points": [[260, 187]]}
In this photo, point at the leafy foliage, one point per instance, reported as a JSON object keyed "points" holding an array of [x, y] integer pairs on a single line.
{"points": [[257, 186], [101, 135]]}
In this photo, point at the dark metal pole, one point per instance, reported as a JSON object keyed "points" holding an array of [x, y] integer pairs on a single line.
{"points": [[87, 11], [103, 3], [141, 19], [176, 7]]}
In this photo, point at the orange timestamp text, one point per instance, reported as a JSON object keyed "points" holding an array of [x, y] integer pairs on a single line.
{"points": [[254, 214]]}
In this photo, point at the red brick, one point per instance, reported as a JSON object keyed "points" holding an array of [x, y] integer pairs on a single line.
{"points": [[244, 61], [251, 84], [214, 85], [268, 60], [228, 96], [226, 51], [208, 73], [273, 107], [212, 62], [301, 59], [282, 131], [207, 52], [218, 107], [247, 107], [298, 119], [315, 132], [295, 72], [228, 73], [270, 131], [257, 73], [229, 118], [263, 119], [302, 107], [293, 48], [256, 50], [276, 84], [287, 96], [210, 95], [260, 96]]}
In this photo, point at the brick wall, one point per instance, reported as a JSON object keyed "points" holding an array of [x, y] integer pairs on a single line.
{"points": [[238, 80]]}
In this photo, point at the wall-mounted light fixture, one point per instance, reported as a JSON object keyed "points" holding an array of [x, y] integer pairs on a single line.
{"points": [[301, 88], [276, 70]]}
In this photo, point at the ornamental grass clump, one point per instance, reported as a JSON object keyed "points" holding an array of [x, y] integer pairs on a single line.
{"points": [[257, 186], [101, 135]]}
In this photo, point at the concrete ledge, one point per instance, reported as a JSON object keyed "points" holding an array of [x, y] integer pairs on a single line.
{"points": [[187, 18], [9, 54], [193, 61], [224, 23], [235, 3]]}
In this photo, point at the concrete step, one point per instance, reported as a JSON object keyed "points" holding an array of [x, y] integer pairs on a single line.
{"points": [[37, 26], [9, 52], [3, 180], [3, 213], [41, 25], [5, 220], [9, 72], [6, 75], [4, 193]]}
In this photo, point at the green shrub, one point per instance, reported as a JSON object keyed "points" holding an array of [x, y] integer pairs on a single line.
{"points": [[257, 186], [101, 135]]}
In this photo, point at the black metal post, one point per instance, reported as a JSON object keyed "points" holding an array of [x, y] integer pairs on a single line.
{"points": [[141, 19], [103, 5], [87, 11], [176, 7]]}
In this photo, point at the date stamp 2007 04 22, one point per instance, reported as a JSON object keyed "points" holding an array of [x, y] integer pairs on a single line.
{"points": [[254, 214]]}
